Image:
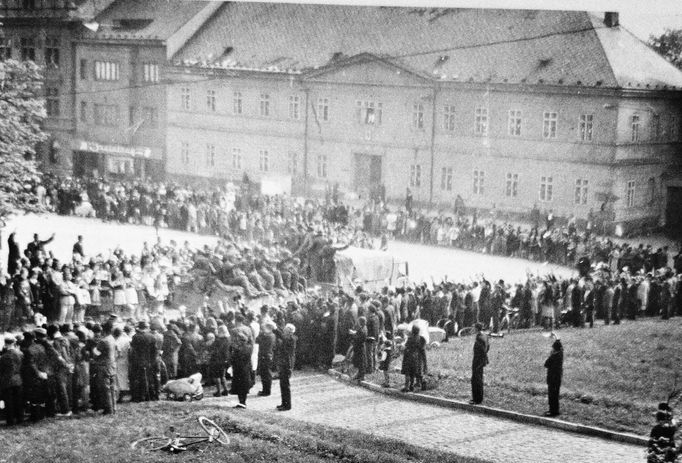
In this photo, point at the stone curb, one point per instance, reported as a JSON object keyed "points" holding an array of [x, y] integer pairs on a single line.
{"points": [[498, 412]]}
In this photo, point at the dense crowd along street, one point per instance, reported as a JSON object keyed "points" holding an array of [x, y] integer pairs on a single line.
{"points": [[102, 325]]}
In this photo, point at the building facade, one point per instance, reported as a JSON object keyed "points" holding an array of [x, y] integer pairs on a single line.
{"points": [[604, 140]]}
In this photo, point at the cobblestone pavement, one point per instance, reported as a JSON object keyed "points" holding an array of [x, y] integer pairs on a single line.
{"points": [[318, 398]]}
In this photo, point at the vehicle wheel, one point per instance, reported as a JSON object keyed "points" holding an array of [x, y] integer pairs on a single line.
{"points": [[187, 398], [514, 323], [469, 330], [151, 443], [199, 396], [214, 431]]}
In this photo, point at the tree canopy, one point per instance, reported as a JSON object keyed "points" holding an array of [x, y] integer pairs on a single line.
{"points": [[669, 45], [22, 113]]}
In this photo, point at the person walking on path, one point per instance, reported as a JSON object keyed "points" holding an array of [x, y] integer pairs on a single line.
{"points": [[480, 360], [555, 366], [286, 351]]}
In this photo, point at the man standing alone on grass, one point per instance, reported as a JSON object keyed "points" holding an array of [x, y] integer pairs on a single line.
{"points": [[481, 347], [286, 351], [554, 365]]}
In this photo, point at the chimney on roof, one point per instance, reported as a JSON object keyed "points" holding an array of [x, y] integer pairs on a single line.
{"points": [[611, 19]]}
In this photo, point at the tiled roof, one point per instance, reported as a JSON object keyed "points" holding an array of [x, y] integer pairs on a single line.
{"points": [[165, 18], [480, 45]]}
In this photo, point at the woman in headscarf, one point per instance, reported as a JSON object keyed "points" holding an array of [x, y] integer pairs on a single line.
{"points": [[414, 359]]}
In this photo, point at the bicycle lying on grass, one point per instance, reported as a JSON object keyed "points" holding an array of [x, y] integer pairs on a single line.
{"points": [[177, 444]]}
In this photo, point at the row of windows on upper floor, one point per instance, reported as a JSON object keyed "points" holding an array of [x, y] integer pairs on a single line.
{"points": [[546, 186], [108, 115], [28, 48], [371, 112]]}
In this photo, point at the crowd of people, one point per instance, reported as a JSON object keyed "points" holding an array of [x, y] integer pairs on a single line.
{"points": [[101, 331]]}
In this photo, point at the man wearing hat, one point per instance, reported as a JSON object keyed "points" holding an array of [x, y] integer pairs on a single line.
{"points": [[555, 366], [286, 353], [34, 374], [480, 360], [104, 365], [10, 382], [144, 365]]}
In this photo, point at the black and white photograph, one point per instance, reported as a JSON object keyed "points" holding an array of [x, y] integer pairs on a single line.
{"points": [[354, 231]]}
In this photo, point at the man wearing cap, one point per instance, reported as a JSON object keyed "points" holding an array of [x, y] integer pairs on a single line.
{"points": [[34, 373], [286, 351], [10, 382], [554, 365], [144, 365], [480, 360]]}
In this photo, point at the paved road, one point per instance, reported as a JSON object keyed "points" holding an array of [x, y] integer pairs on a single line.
{"points": [[318, 398]]}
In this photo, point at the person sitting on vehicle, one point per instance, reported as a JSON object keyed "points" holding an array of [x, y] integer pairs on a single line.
{"points": [[661, 447]]}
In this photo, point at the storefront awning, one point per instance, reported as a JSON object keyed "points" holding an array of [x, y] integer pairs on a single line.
{"points": [[116, 150]]}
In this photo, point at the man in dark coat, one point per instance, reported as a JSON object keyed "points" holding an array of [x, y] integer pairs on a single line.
{"points": [[266, 346], [143, 365], [10, 382], [480, 360], [104, 364], [241, 349], [14, 255], [286, 351], [555, 368]]}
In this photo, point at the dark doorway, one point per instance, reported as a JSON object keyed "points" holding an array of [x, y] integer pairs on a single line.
{"points": [[673, 212], [367, 174], [86, 163]]}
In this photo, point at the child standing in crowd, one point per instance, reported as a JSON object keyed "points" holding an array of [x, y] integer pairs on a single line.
{"points": [[385, 361]]}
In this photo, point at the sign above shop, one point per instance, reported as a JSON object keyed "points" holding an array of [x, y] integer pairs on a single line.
{"points": [[133, 151]]}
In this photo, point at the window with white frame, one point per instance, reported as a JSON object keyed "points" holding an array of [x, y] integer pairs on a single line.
{"points": [[184, 152], [418, 116], [106, 115], [210, 100], [549, 124], [237, 158], [656, 127], [292, 165], [479, 182], [210, 155], [586, 123], [511, 188], [415, 175], [28, 48], [107, 70], [265, 104], [52, 101], [84, 111], [546, 189], [237, 102], [322, 165], [651, 190], [323, 109], [481, 121], [446, 179], [634, 128], [673, 128], [630, 193], [294, 107], [150, 117], [185, 98], [368, 112], [449, 117], [263, 161], [514, 123], [52, 51], [150, 72], [580, 196]]}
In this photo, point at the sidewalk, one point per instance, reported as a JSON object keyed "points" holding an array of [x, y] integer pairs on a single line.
{"points": [[319, 398]]}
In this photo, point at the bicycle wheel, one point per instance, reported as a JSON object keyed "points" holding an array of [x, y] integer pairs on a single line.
{"points": [[214, 431], [151, 443], [469, 330]]}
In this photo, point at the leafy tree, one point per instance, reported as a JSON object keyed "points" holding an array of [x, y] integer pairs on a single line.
{"points": [[669, 45], [22, 113]]}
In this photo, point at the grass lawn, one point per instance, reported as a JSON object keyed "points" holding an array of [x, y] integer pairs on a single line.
{"points": [[614, 376], [254, 437]]}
